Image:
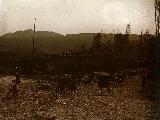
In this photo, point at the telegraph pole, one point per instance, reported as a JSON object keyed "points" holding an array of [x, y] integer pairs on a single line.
{"points": [[33, 42]]}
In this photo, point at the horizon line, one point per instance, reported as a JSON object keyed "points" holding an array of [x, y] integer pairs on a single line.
{"points": [[72, 33]]}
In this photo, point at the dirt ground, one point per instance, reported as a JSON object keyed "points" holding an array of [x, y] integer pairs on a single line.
{"points": [[124, 103]]}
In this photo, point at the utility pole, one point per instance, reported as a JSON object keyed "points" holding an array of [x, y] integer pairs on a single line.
{"points": [[33, 42]]}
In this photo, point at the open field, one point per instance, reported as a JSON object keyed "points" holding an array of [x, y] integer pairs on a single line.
{"points": [[124, 103]]}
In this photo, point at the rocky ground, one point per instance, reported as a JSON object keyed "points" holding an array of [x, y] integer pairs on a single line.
{"points": [[124, 103]]}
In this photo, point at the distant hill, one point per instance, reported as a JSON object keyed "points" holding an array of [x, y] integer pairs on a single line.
{"points": [[45, 41], [29, 34]]}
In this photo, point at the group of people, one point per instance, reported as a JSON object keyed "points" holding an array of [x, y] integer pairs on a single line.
{"points": [[103, 81]]}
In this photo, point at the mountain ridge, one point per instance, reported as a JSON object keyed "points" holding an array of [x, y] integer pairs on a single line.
{"points": [[48, 41], [29, 33]]}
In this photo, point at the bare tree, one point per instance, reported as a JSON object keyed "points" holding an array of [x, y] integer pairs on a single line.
{"points": [[157, 16]]}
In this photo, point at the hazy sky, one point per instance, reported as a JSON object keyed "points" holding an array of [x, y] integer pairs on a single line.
{"points": [[76, 16]]}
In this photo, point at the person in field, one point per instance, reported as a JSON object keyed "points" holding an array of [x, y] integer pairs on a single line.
{"points": [[103, 81], [13, 89], [145, 73], [17, 80]]}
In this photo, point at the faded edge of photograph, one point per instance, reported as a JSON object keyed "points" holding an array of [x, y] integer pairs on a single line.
{"points": [[80, 60]]}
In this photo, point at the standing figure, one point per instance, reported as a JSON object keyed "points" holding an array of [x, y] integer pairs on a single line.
{"points": [[17, 80], [103, 81], [144, 75], [13, 90], [14, 84]]}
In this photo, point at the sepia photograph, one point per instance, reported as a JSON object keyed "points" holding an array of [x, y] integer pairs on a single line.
{"points": [[79, 59]]}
